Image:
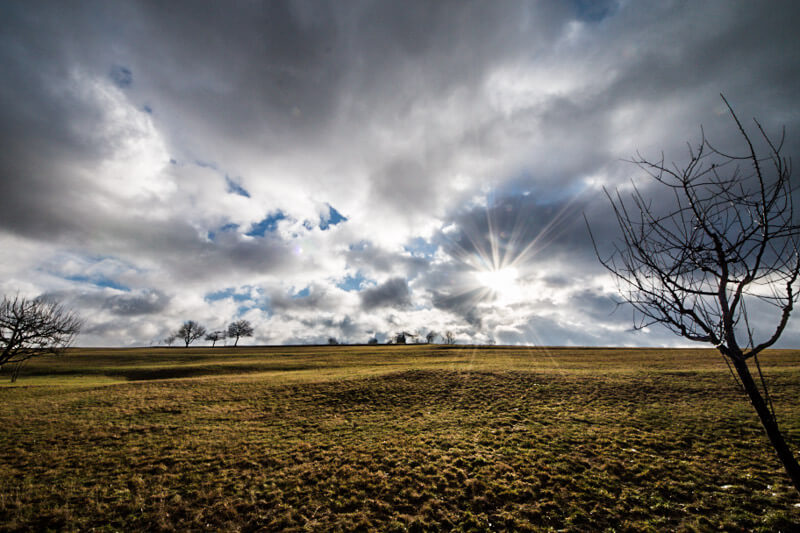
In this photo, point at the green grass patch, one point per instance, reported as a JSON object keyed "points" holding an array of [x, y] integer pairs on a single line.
{"points": [[411, 438]]}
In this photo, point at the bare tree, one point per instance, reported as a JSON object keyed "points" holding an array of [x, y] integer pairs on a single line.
{"points": [[239, 328], [332, 341], [431, 336], [727, 250], [403, 337], [30, 328], [449, 337], [170, 339], [190, 331], [215, 336]]}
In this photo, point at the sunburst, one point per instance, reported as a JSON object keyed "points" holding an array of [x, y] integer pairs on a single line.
{"points": [[498, 258], [502, 282]]}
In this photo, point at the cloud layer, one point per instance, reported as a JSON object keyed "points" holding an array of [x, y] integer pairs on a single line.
{"points": [[348, 170]]}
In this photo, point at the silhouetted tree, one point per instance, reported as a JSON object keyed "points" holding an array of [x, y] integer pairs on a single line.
{"points": [[373, 340], [170, 339], [449, 337], [190, 331], [431, 336], [729, 242], [30, 328], [332, 341], [215, 336], [239, 328], [403, 337]]}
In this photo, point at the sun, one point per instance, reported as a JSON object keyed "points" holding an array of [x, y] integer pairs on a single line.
{"points": [[502, 282]]}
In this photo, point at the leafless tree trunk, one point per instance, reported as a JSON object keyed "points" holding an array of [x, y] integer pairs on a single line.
{"points": [[729, 242], [241, 328], [190, 331], [215, 336]]}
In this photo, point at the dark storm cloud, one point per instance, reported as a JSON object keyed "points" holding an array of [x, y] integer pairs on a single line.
{"points": [[545, 330], [404, 183], [285, 70], [188, 256], [294, 66], [595, 304], [135, 303], [521, 229], [376, 260], [312, 298], [463, 304], [392, 293], [344, 326], [148, 302]]}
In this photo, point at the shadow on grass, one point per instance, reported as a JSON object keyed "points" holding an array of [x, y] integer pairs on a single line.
{"points": [[140, 374], [166, 372]]}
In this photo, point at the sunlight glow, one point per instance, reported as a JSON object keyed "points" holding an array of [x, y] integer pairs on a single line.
{"points": [[502, 281]]}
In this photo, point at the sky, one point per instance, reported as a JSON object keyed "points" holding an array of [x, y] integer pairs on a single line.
{"points": [[356, 169]]}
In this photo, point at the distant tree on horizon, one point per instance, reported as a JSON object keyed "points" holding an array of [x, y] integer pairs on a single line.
{"points": [[190, 331], [170, 339], [373, 340], [239, 328], [215, 336], [332, 341], [449, 337], [431, 336]]}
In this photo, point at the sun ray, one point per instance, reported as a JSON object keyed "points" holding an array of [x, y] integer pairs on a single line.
{"points": [[498, 258]]}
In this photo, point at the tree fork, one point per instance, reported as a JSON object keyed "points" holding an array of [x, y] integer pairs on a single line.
{"points": [[768, 421]]}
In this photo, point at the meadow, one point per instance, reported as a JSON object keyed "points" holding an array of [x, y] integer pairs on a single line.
{"points": [[393, 438]]}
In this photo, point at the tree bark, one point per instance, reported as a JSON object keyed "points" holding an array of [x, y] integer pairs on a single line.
{"points": [[768, 421], [15, 372]]}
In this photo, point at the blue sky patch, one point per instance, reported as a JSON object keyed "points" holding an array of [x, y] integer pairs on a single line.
{"points": [[121, 76], [419, 247], [247, 296], [99, 281], [331, 219], [235, 188], [269, 224], [212, 234], [302, 294], [352, 283], [594, 10], [229, 292], [206, 164]]}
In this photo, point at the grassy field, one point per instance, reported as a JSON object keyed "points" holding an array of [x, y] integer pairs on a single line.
{"points": [[393, 438]]}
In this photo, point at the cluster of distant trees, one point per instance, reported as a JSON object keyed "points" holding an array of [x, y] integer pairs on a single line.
{"points": [[190, 331], [405, 337]]}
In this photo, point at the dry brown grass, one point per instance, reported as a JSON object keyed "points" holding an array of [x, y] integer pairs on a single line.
{"points": [[393, 438]]}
